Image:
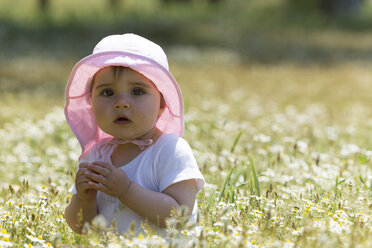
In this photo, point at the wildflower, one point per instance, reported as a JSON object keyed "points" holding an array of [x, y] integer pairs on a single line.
{"points": [[4, 233], [5, 239], [30, 231], [39, 239], [276, 148], [349, 149], [288, 244], [261, 138], [5, 242], [257, 213], [95, 244], [276, 128], [218, 224], [298, 231], [302, 146], [114, 245], [262, 152], [275, 219], [296, 209]]}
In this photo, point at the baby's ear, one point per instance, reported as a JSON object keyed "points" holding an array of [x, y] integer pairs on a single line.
{"points": [[161, 111], [91, 84], [90, 98], [162, 104]]}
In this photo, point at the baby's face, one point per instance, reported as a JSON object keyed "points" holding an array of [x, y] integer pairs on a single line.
{"points": [[126, 104]]}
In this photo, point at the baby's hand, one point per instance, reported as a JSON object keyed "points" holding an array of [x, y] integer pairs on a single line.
{"points": [[107, 178], [84, 191]]}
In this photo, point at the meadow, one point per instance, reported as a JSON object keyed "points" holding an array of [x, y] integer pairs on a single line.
{"points": [[278, 116]]}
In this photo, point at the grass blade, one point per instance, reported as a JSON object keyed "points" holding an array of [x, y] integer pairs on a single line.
{"points": [[211, 200], [362, 180], [227, 179], [237, 138], [240, 186], [254, 176], [339, 182]]}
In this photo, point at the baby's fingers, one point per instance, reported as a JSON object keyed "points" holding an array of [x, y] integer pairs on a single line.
{"points": [[81, 179], [81, 172], [83, 187], [98, 187], [99, 169], [83, 165], [96, 177]]}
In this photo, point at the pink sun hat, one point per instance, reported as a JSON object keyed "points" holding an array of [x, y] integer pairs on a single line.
{"points": [[128, 50]]}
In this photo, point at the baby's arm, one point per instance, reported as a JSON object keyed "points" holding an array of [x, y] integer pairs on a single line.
{"points": [[157, 206], [83, 202], [151, 205]]}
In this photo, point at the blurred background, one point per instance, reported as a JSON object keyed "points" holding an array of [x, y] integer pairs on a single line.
{"points": [[260, 45]]}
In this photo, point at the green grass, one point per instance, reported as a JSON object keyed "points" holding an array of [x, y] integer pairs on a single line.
{"points": [[278, 117]]}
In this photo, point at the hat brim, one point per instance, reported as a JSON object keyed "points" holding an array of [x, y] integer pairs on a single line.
{"points": [[78, 110]]}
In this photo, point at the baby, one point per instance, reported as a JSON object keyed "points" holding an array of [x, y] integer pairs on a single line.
{"points": [[126, 110]]}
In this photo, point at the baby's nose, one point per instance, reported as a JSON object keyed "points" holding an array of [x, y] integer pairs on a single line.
{"points": [[121, 105], [124, 106]]}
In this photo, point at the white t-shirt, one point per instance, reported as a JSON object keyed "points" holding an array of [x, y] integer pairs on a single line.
{"points": [[168, 161]]}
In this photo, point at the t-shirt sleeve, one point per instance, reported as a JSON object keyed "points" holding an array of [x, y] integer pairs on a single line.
{"points": [[176, 163]]}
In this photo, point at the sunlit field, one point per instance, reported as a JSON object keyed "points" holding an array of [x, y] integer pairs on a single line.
{"points": [[286, 152], [285, 146]]}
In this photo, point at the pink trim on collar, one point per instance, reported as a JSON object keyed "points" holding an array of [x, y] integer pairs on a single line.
{"points": [[142, 144]]}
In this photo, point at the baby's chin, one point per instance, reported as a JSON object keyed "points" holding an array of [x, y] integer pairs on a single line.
{"points": [[127, 133], [130, 137], [154, 133]]}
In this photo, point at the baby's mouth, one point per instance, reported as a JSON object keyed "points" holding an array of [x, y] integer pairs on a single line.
{"points": [[122, 120]]}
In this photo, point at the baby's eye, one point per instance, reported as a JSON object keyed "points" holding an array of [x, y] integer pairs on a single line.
{"points": [[107, 92], [138, 92]]}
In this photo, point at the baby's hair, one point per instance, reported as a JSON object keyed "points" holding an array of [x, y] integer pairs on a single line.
{"points": [[117, 71]]}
